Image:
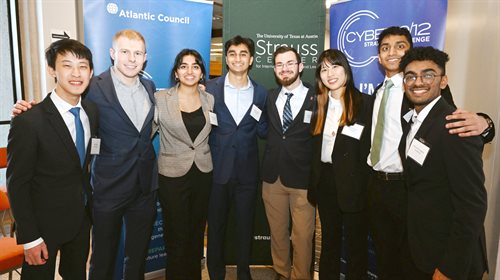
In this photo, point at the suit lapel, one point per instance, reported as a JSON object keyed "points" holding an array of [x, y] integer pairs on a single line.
{"points": [[206, 109], [274, 116], [305, 105], [176, 115], [108, 91], [149, 117], [60, 128], [92, 115]]}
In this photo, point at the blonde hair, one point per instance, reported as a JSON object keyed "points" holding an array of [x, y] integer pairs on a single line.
{"points": [[129, 34]]}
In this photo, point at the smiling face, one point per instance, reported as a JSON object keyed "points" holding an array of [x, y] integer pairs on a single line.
{"points": [[423, 82], [287, 69], [189, 72], [72, 75], [333, 77], [129, 56], [391, 50], [239, 59]]}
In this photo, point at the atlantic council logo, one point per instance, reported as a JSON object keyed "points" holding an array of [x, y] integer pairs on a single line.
{"points": [[112, 8], [355, 41]]}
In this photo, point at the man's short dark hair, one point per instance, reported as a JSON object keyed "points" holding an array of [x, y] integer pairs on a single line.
{"points": [[238, 40], [422, 54], [284, 49], [65, 46], [397, 31]]}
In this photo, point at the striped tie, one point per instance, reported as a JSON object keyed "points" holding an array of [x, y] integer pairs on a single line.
{"points": [[287, 112]]}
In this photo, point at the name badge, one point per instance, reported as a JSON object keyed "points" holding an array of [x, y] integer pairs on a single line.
{"points": [[213, 118], [418, 151], [353, 131], [255, 112], [307, 116], [95, 146]]}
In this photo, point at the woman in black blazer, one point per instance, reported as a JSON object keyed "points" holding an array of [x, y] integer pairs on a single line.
{"points": [[338, 176]]}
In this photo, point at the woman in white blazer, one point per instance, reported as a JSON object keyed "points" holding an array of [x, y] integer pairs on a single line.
{"points": [[185, 164]]}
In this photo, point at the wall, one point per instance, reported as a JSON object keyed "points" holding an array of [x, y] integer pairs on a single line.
{"points": [[473, 43]]}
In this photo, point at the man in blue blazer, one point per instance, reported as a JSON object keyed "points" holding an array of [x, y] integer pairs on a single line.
{"points": [[240, 108], [124, 174]]}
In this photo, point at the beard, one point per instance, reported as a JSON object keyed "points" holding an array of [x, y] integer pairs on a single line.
{"points": [[288, 80]]}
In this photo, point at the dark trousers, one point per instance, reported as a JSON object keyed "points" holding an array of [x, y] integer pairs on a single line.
{"points": [[137, 213], [222, 196], [387, 202], [355, 232], [72, 261], [184, 201]]}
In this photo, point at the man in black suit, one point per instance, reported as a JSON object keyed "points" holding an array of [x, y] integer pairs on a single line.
{"points": [[47, 173], [386, 187], [286, 168], [444, 177]]}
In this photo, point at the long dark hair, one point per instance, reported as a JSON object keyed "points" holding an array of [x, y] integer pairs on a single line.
{"points": [[350, 100], [178, 62]]}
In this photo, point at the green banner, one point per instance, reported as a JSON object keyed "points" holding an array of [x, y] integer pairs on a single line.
{"points": [[271, 24]]}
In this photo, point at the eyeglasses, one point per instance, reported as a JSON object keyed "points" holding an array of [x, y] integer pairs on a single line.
{"points": [[289, 64], [427, 78]]}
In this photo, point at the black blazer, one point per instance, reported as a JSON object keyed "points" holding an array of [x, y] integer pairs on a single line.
{"points": [[44, 177], [446, 200], [288, 155], [348, 160]]}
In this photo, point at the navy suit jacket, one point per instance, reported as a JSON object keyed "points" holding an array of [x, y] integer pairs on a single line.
{"points": [[446, 200], [234, 147], [127, 159]]}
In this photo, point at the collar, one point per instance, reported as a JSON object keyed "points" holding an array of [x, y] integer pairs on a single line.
{"points": [[228, 84], [425, 111], [61, 105], [118, 81]]}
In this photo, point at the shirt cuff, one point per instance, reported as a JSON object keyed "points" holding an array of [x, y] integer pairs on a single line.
{"points": [[32, 244]]}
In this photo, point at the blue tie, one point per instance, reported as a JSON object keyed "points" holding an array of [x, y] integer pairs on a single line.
{"points": [[287, 112], [80, 136]]}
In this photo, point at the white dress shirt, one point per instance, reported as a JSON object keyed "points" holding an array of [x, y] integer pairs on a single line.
{"points": [[331, 127], [296, 101], [418, 119], [390, 160], [238, 100], [69, 119]]}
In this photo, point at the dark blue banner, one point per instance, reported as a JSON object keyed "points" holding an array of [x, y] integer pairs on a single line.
{"points": [[355, 26]]}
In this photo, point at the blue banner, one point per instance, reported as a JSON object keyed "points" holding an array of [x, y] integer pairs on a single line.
{"points": [[355, 26], [168, 26]]}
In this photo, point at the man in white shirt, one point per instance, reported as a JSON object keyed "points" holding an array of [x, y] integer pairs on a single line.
{"points": [[447, 200], [47, 174], [286, 168], [386, 187]]}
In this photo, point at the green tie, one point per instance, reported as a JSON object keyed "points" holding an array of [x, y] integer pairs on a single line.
{"points": [[379, 128]]}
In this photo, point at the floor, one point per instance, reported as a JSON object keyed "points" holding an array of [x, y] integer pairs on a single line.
{"points": [[258, 273]]}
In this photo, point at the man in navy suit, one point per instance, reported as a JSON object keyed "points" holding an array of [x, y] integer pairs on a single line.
{"points": [[444, 178], [125, 173], [240, 108], [47, 176]]}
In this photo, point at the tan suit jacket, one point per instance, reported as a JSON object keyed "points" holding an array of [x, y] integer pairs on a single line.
{"points": [[177, 150]]}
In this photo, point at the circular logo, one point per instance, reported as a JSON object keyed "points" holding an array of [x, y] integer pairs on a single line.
{"points": [[112, 8], [352, 38]]}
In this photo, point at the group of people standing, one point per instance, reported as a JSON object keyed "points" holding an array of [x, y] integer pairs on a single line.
{"points": [[327, 144]]}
